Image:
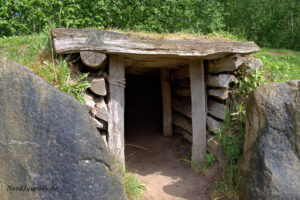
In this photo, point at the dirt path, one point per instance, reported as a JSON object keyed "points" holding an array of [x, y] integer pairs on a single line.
{"points": [[156, 162]]}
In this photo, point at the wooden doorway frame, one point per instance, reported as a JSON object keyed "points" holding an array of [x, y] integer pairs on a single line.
{"points": [[116, 105]]}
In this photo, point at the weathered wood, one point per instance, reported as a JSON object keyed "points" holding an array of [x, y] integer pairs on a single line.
{"points": [[181, 73], [186, 135], [92, 59], [182, 108], [179, 91], [216, 109], [166, 102], [198, 110], [154, 62], [98, 86], [116, 103], [142, 71], [182, 122], [185, 83], [100, 110], [89, 100], [221, 80], [227, 64], [219, 93], [76, 40], [213, 125]]}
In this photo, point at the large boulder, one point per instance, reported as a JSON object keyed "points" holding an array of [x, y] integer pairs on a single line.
{"points": [[49, 148], [270, 166]]}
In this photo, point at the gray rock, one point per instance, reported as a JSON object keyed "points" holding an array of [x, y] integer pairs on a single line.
{"points": [[252, 63], [47, 140], [270, 166]]}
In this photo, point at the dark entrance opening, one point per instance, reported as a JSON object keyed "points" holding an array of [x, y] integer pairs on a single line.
{"points": [[143, 107]]}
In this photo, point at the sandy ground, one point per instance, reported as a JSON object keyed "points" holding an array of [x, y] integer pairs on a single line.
{"points": [[155, 160]]}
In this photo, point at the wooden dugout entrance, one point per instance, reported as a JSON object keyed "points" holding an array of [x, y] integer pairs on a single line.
{"points": [[189, 60]]}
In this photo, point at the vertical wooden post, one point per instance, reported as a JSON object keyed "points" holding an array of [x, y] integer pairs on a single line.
{"points": [[166, 102], [198, 110], [116, 104]]}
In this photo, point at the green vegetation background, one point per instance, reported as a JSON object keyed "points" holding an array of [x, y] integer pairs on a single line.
{"points": [[270, 23]]}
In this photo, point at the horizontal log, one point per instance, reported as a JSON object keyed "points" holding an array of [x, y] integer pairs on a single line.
{"points": [[213, 125], [185, 83], [227, 64], [182, 122], [179, 91], [219, 93], [186, 135], [98, 86], [92, 59], [154, 62], [216, 109], [142, 71], [181, 73], [182, 107], [221, 80], [67, 40]]}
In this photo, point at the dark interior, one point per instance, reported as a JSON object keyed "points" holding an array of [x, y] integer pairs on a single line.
{"points": [[143, 105]]}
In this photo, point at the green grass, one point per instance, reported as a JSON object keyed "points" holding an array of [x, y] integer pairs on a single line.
{"points": [[26, 50], [280, 65], [32, 51], [133, 187]]}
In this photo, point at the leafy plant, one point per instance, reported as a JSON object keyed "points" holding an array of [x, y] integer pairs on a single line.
{"points": [[209, 160], [58, 74], [133, 187]]}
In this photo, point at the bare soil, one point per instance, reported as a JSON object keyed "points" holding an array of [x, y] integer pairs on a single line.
{"points": [[155, 161]]}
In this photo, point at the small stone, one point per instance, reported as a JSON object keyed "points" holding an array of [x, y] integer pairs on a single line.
{"points": [[89, 101], [98, 86], [100, 125], [100, 110]]}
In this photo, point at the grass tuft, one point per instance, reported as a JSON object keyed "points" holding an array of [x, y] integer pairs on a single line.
{"points": [[133, 187]]}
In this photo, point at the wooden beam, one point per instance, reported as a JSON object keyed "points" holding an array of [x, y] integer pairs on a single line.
{"points": [[116, 105], [75, 40], [154, 62], [179, 91], [166, 102], [216, 109], [92, 59], [221, 80], [227, 64], [186, 135], [181, 73], [219, 93], [198, 110], [213, 125], [182, 122], [182, 107]]}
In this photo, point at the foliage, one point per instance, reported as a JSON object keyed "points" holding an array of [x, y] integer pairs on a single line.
{"points": [[280, 65], [58, 74], [31, 16], [30, 51], [134, 189], [232, 132], [273, 23]]}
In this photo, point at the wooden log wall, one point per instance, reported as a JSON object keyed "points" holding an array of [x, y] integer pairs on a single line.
{"points": [[219, 79]]}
